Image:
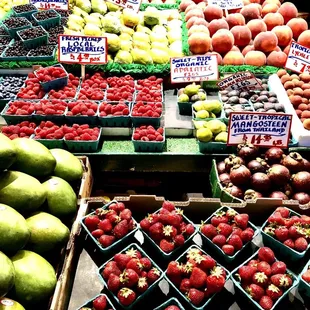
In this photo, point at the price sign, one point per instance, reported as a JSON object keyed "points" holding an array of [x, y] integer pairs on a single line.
{"points": [[51, 4], [298, 58], [133, 5], [227, 4], [243, 81], [194, 68], [261, 129], [82, 50]]}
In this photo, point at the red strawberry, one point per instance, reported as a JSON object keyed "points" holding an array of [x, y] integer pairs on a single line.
{"points": [[91, 222], [185, 286], [100, 303], [105, 225], [266, 254], [97, 233], [168, 205], [301, 244], [290, 243], [274, 292], [281, 233], [247, 235], [179, 240], [189, 229], [295, 232], [260, 278], [236, 242], [121, 260], [135, 265], [216, 280], [126, 296], [166, 246], [133, 253], [174, 219], [146, 263], [231, 213], [208, 230], [246, 273], [237, 231], [281, 280], [265, 268], [114, 282], [174, 269], [224, 229], [255, 291], [153, 275], [121, 229], [205, 262], [228, 249], [145, 224], [283, 211], [276, 218], [220, 217], [169, 232], [129, 278], [106, 240], [156, 231], [266, 303], [278, 267], [198, 278], [110, 268], [253, 263], [112, 217], [242, 220], [195, 296], [117, 207], [219, 240], [125, 214], [142, 285], [306, 276]]}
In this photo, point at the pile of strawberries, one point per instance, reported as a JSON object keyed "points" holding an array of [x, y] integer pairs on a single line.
{"points": [[111, 224], [81, 132], [291, 230], [32, 89], [264, 278], [149, 90], [100, 303], [228, 230], [67, 92], [22, 130], [50, 73], [89, 93], [120, 88], [129, 275], [50, 131], [151, 83], [113, 108], [306, 275], [167, 227], [96, 81], [198, 276], [20, 107], [82, 107], [148, 133], [50, 107], [173, 307], [147, 109]]}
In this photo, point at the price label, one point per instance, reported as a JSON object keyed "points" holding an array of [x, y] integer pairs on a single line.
{"points": [[51, 4], [261, 129], [298, 58], [194, 68], [243, 81], [133, 5], [227, 4], [82, 50]]}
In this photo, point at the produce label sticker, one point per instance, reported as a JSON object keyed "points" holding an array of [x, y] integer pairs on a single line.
{"points": [[227, 4], [243, 81], [82, 50], [51, 4], [298, 58], [133, 5], [194, 68], [261, 129]]}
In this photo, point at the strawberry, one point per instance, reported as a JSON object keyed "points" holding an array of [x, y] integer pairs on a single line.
{"points": [[242, 220], [224, 229], [255, 291], [273, 292], [97, 233], [253, 263], [290, 243], [117, 207], [295, 232], [106, 240], [168, 205], [198, 278], [276, 218], [110, 268], [174, 219], [281, 233], [135, 265], [121, 260], [169, 232], [260, 278], [114, 282], [100, 303], [278, 267], [266, 254], [126, 296], [281, 280], [247, 235], [121, 229], [166, 246], [301, 244], [219, 240], [228, 249], [189, 229], [185, 286], [129, 278], [265, 268], [91, 222], [146, 263], [231, 213], [133, 253], [306, 276], [237, 231], [219, 217], [125, 214], [153, 275], [193, 253], [205, 262], [145, 224], [216, 280], [208, 230], [236, 242], [283, 211], [142, 285], [187, 268], [179, 240], [195, 296], [156, 231], [246, 273], [266, 303], [105, 225]]}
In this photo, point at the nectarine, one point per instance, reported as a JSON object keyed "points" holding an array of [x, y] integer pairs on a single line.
{"points": [[184, 4], [233, 58], [288, 10], [198, 28], [277, 2], [276, 59], [222, 41], [217, 24], [255, 58], [247, 49], [242, 35], [235, 19], [304, 38], [265, 41], [298, 25], [272, 20], [250, 12], [199, 43], [212, 12], [194, 12], [284, 35], [256, 26], [190, 7], [269, 8]]}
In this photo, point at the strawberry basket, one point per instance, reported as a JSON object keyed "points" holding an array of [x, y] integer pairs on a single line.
{"points": [[148, 146], [81, 118], [170, 302], [145, 120], [91, 305], [304, 287], [48, 116], [13, 118], [51, 143], [228, 258], [111, 120], [152, 284]]}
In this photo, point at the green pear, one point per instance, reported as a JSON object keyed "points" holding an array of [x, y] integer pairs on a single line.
{"points": [[7, 274], [10, 304], [202, 96], [202, 114], [198, 106], [216, 126], [221, 137], [199, 124], [191, 89], [7, 152], [183, 98], [204, 134], [213, 106]]}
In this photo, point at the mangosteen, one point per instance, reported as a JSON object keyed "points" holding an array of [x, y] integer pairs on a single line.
{"points": [[243, 101], [221, 167], [279, 195], [303, 198], [306, 165], [258, 165], [269, 105], [301, 181], [279, 107], [254, 98], [224, 92], [272, 111], [248, 108], [293, 161], [251, 194], [265, 86], [260, 182], [264, 93], [272, 94], [240, 175], [232, 160], [247, 151], [279, 175], [274, 155], [244, 94], [233, 100], [224, 178], [234, 191], [224, 98], [234, 93], [258, 105], [273, 100], [262, 98], [261, 110]]}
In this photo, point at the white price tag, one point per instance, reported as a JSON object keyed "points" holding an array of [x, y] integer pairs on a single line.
{"points": [[298, 58], [227, 4], [51, 4], [243, 81], [133, 5]]}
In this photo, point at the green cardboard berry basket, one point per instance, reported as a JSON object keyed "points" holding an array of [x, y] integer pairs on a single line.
{"points": [[82, 119], [89, 304], [144, 120], [185, 108], [12, 58], [182, 258], [27, 14], [216, 248], [304, 287], [52, 143], [42, 58], [56, 118], [281, 248], [116, 121], [13, 31], [247, 296], [148, 146], [50, 22], [119, 244], [170, 302], [14, 119], [137, 303], [34, 42]]}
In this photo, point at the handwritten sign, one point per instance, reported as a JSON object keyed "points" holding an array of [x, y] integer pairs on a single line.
{"points": [[133, 5], [51, 4], [298, 58], [82, 50], [194, 68], [262, 129], [227, 4], [243, 81]]}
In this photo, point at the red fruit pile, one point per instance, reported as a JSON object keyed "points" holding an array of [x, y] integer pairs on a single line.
{"points": [[95, 81], [88, 93], [167, 227], [306, 275], [33, 89], [100, 303], [80, 107], [198, 276], [129, 275], [111, 224], [81, 132], [172, 308], [264, 278], [148, 95], [291, 230], [113, 108], [228, 230], [66, 92], [48, 130], [50, 73], [151, 83], [148, 133], [126, 80], [20, 107], [148, 109], [22, 130], [50, 107]]}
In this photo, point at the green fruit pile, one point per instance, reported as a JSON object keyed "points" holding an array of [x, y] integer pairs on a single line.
{"points": [[35, 201], [214, 130], [191, 93], [207, 109]]}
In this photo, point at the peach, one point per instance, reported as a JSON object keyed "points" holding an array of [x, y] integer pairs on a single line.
{"points": [[276, 59], [276, 2], [256, 26], [305, 114], [302, 107], [212, 12], [233, 58], [250, 12], [194, 12], [246, 2], [202, 5], [217, 24], [289, 85], [305, 101], [235, 19], [290, 92], [305, 86], [199, 43], [288, 10], [277, 49], [284, 35], [287, 49], [298, 91], [273, 19], [222, 41], [235, 48], [198, 28], [281, 72], [285, 78], [304, 38], [196, 21], [247, 49], [190, 7], [298, 25], [191, 21], [269, 8], [255, 58], [242, 35], [306, 123], [184, 4], [298, 112], [305, 77], [255, 1], [265, 42], [295, 100], [307, 93]]}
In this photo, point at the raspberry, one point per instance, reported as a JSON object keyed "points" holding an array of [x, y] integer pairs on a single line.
{"points": [[69, 136], [86, 137]]}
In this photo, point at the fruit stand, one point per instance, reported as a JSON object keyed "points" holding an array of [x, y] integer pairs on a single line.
{"points": [[154, 154]]}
